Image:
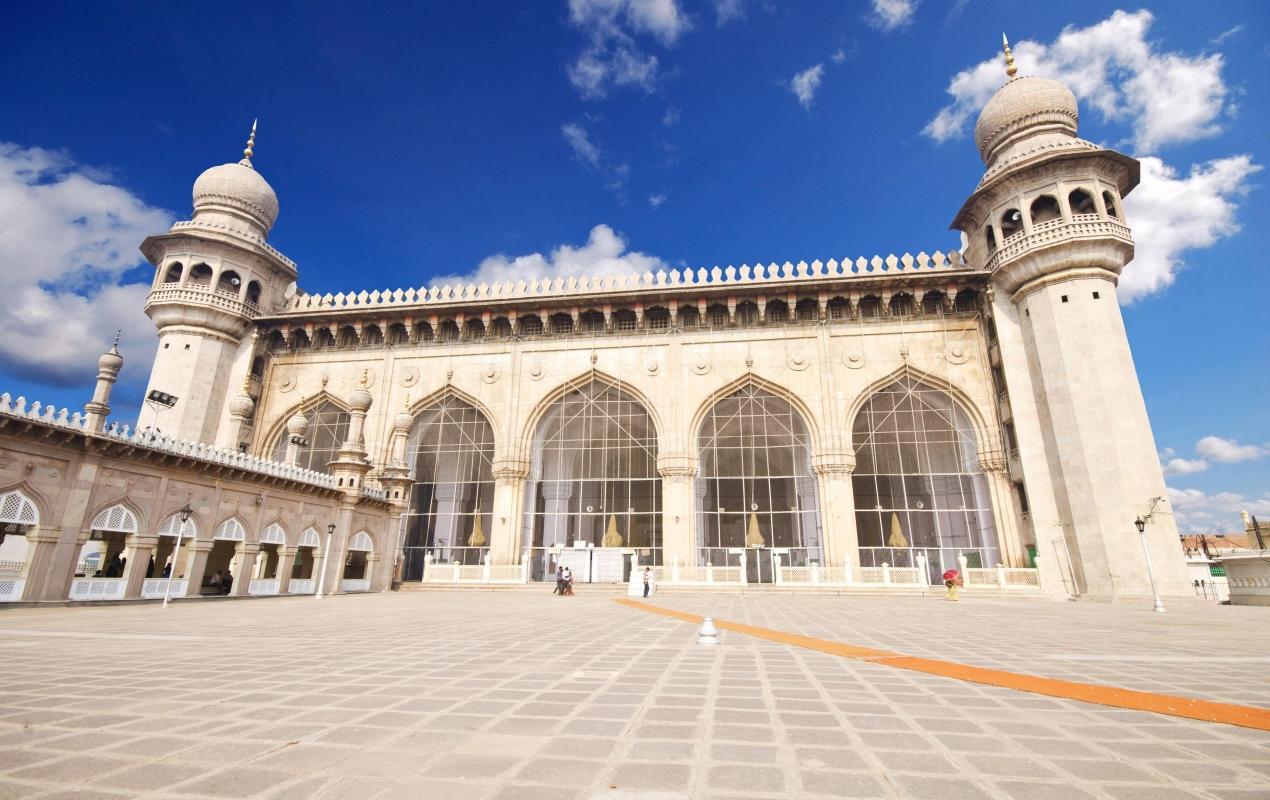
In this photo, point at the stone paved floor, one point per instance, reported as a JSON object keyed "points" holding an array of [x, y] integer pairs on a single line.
{"points": [[525, 695]]}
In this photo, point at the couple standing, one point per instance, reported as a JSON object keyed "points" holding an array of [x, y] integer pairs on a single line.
{"points": [[564, 581]]}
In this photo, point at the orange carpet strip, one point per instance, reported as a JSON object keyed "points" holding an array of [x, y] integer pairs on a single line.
{"points": [[1203, 710]]}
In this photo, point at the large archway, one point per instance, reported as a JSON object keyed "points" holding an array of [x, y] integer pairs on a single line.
{"points": [[755, 490], [18, 516], [328, 428], [594, 492], [101, 563], [917, 481], [451, 452]]}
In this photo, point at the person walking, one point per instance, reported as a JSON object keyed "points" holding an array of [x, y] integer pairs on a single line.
{"points": [[566, 578], [559, 580], [648, 581], [951, 581]]}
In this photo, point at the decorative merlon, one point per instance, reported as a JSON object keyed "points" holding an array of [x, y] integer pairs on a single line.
{"points": [[662, 279]]}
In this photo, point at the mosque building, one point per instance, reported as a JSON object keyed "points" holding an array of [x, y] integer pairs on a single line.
{"points": [[847, 419]]}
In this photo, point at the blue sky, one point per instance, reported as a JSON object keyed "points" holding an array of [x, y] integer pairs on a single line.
{"points": [[408, 143]]}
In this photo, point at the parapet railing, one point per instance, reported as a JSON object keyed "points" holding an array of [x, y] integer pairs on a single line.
{"points": [[149, 438], [665, 279]]}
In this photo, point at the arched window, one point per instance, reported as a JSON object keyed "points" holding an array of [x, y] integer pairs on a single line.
{"points": [[328, 428], [474, 329], [755, 487], [276, 342], [229, 282], [902, 305], [990, 236], [372, 335], [299, 339], [870, 306], [253, 292], [423, 331], [747, 312], [689, 317], [530, 325], [258, 366], [933, 302], [561, 323], [657, 317], [1044, 209], [201, 275], [807, 310], [624, 319], [1081, 202], [397, 334], [717, 315], [777, 311], [500, 328], [449, 331], [839, 308], [450, 452], [1011, 223], [592, 321], [594, 478], [917, 481], [348, 336], [1109, 200], [966, 302], [323, 337], [173, 275]]}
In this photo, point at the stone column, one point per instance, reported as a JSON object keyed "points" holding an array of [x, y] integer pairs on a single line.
{"points": [[139, 547], [677, 508], [448, 532], [41, 550], [555, 525], [376, 579], [246, 553], [837, 513], [196, 555], [286, 558], [509, 483], [1004, 518], [330, 571]]}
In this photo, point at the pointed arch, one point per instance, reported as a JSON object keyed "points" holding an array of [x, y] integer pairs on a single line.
{"points": [[362, 542], [17, 508], [534, 420], [279, 425], [813, 423], [982, 430], [274, 533], [117, 518], [309, 538], [329, 419], [449, 390], [230, 530], [172, 524]]}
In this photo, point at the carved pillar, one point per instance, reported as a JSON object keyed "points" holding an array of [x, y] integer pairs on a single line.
{"points": [[678, 506], [509, 485], [286, 558], [41, 549], [139, 548], [837, 512], [448, 532], [1005, 520], [555, 525], [246, 552], [198, 552]]}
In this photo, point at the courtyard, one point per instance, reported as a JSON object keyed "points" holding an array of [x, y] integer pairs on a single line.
{"points": [[520, 694]]}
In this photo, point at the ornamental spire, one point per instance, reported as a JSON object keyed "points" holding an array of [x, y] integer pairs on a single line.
{"points": [[251, 144], [1010, 69], [114, 348]]}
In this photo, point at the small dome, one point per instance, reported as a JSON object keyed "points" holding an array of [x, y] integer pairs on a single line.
{"points": [[110, 362], [1024, 103], [241, 406], [298, 425], [360, 399], [403, 421], [239, 188]]}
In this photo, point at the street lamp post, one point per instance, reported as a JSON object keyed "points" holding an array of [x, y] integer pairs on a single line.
{"points": [[184, 516], [326, 557], [1141, 525]]}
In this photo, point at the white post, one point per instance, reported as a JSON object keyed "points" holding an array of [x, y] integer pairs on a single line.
{"points": [[326, 563], [674, 570], [776, 569], [485, 570], [743, 568], [1001, 577], [1146, 553], [815, 574], [457, 568], [427, 566], [710, 571], [1036, 564], [176, 551], [886, 574], [847, 578], [923, 579]]}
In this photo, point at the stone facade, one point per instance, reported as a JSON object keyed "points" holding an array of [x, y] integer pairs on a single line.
{"points": [[844, 413]]}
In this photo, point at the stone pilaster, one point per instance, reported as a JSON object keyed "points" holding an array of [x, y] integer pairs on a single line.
{"points": [[509, 487], [837, 511], [678, 507]]}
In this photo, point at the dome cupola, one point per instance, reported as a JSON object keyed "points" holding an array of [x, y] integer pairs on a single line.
{"points": [[1024, 108], [236, 193]]}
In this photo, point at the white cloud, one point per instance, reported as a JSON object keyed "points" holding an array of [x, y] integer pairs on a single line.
{"points": [[581, 143], [612, 56], [656, 200], [727, 10], [1228, 451], [67, 236], [1199, 512], [1170, 215], [805, 84], [671, 118], [838, 56], [604, 253], [1165, 97], [1183, 466], [891, 14], [1230, 33]]}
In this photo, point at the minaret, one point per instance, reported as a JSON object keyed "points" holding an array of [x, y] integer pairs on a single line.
{"points": [[214, 275], [1047, 222], [98, 409]]}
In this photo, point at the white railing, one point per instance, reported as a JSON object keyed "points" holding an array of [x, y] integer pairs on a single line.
{"points": [[302, 586], [64, 418], [264, 586], [1010, 579], [97, 589], [434, 572], [155, 588], [661, 280], [355, 585], [11, 567], [11, 589]]}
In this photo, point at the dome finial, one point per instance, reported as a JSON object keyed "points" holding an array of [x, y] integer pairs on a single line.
{"points": [[1010, 69], [114, 348], [251, 144]]}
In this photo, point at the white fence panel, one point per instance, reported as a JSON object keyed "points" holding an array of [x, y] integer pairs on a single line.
{"points": [[11, 589], [355, 585], [97, 589], [153, 588], [264, 586], [302, 586]]}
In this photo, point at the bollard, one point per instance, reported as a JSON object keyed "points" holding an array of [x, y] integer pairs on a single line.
{"points": [[707, 633]]}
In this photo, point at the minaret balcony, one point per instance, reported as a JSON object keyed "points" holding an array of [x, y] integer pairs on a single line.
{"points": [[1059, 232], [185, 295]]}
